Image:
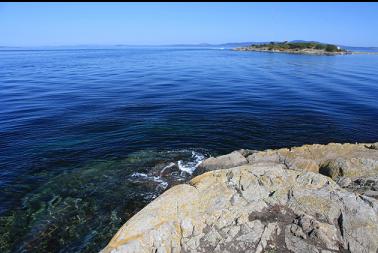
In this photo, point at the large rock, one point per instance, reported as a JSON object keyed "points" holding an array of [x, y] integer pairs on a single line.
{"points": [[353, 166], [231, 160], [260, 207]]}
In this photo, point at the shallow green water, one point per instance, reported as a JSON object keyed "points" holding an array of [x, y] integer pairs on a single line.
{"points": [[80, 210]]}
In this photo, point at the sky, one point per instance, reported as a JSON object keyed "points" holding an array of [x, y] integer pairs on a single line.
{"points": [[59, 24]]}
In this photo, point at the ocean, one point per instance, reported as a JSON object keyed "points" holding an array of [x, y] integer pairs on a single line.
{"points": [[90, 136]]}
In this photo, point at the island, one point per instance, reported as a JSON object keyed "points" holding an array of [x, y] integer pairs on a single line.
{"points": [[312, 48]]}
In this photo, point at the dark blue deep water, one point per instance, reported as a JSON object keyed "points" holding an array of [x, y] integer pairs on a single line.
{"points": [[90, 136]]}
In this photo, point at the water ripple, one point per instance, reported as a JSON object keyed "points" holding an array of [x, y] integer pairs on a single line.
{"points": [[63, 110]]}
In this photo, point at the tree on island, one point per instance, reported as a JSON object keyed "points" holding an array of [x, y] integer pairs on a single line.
{"points": [[281, 46]]}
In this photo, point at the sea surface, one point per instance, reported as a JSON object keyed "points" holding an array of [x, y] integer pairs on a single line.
{"points": [[89, 136]]}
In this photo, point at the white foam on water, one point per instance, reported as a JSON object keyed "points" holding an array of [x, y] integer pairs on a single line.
{"points": [[137, 174], [184, 166], [190, 167], [156, 179], [167, 167], [162, 183]]}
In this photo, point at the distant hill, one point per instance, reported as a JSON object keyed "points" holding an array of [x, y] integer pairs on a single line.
{"points": [[304, 41], [233, 44], [237, 44], [361, 49], [248, 43], [229, 44]]}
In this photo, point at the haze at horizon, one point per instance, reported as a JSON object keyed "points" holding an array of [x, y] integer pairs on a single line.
{"points": [[55, 24]]}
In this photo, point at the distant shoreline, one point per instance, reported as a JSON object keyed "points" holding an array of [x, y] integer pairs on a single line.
{"points": [[304, 52]]}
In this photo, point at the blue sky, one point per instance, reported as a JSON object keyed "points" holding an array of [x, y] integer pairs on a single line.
{"points": [[42, 24]]}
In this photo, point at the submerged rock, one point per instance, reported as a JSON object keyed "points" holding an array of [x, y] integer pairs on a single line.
{"points": [[278, 202]]}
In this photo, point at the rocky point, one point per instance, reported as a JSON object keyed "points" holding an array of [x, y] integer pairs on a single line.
{"points": [[314, 198]]}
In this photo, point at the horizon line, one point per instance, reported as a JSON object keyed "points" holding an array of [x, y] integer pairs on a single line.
{"points": [[162, 45]]}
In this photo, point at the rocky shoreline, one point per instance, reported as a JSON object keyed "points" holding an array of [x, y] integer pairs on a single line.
{"points": [[313, 198]]}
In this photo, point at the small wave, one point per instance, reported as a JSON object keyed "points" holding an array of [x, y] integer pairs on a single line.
{"points": [[167, 167], [173, 172], [156, 179], [190, 167]]}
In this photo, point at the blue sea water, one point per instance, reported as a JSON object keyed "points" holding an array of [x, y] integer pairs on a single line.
{"points": [[89, 136]]}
